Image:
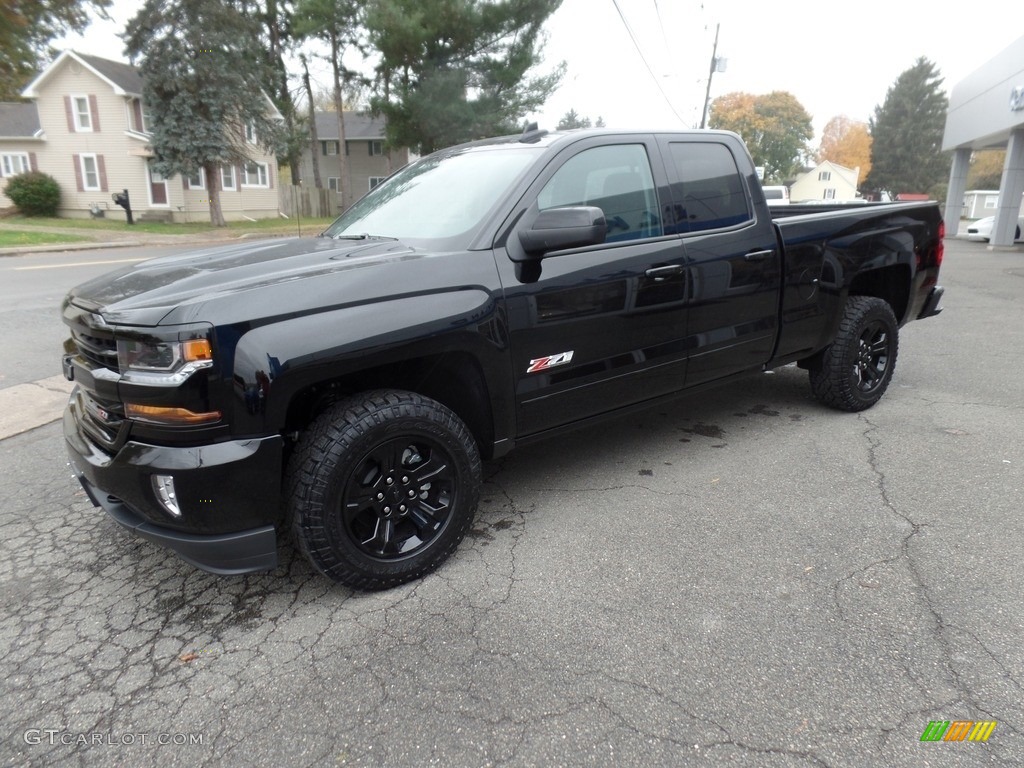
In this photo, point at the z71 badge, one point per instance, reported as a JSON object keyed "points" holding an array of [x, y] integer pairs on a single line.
{"points": [[543, 363]]}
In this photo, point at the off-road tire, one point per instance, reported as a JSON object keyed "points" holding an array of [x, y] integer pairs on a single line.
{"points": [[853, 373], [381, 488]]}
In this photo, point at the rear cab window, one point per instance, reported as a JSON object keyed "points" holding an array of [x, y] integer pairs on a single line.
{"points": [[708, 191]]}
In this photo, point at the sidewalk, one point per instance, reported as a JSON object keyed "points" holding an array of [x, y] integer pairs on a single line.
{"points": [[114, 238]]}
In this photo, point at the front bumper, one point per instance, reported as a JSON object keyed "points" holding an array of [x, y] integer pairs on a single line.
{"points": [[228, 494]]}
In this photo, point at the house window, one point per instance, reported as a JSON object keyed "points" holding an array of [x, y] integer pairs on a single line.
{"points": [[334, 183], [830, 194], [14, 163], [376, 148], [197, 180], [255, 175], [330, 147], [824, 175], [991, 202], [90, 173], [227, 178], [375, 180], [81, 113], [250, 133]]}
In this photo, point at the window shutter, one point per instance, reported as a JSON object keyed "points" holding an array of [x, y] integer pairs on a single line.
{"points": [[323, 148], [270, 174], [78, 172], [32, 162], [369, 146], [102, 169], [184, 182], [94, 114], [69, 111]]}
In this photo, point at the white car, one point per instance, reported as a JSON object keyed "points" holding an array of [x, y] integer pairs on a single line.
{"points": [[982, 228]]}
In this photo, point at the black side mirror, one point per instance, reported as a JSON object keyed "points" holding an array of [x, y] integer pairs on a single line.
{"points": [[560, 228]]}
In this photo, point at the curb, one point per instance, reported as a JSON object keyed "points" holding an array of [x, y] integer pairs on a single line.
{"points": [[18, 250]]}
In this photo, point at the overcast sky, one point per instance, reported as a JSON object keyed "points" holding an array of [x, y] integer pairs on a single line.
{"points": [[835, 58]]}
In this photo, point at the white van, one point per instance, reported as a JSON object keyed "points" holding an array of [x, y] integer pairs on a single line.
{"points": [[776, 195]]}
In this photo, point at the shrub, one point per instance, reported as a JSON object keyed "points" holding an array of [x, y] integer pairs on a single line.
{"points": [[35, 193]]}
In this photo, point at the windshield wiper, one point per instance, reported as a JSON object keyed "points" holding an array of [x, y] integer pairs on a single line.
{"points": [[362, 236]]}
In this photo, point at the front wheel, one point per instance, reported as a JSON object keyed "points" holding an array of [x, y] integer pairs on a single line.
{"points": [[855, 370], [382, 488]]}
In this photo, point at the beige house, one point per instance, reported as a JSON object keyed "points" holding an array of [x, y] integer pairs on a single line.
{"points": [[369, 159], [89, 132], [826, 183]]}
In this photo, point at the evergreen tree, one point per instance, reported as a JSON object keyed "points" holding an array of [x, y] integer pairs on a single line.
{"points": [[454, 70], [572, 120], [26, 29], [906, 133], [203, 77]]}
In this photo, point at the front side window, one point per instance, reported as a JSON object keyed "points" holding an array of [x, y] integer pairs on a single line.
{"points": [[14, 163], [617, 179], [709, 193], [81, 112], [255, 175]]}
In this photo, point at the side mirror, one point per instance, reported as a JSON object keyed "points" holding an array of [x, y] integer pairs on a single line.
{"points": [[559, 228]]}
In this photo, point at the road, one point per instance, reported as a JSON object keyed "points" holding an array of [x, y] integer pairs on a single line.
{"points": [[744, 578]]}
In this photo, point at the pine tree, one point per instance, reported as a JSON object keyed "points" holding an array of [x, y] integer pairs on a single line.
{"points": [[200, 62], [906, 132], [454, 70]]}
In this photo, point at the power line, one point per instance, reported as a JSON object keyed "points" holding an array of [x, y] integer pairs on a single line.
{"points": [[644, 60]]}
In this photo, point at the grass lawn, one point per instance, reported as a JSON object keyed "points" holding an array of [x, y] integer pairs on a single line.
{"points": [[117, 223], [17, 237]]}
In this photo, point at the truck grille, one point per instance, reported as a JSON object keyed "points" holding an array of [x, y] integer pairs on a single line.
{"points": [[99, 351]]}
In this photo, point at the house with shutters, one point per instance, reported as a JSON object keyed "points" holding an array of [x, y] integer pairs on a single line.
{"points": [[370, 160], [827, 182], [86, 126]]}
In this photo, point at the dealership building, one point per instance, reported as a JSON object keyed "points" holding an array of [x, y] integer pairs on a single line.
{"points": [[986, 111]]}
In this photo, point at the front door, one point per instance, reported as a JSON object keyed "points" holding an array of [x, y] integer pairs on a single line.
{"points": [[603, 326], [157, 187]]}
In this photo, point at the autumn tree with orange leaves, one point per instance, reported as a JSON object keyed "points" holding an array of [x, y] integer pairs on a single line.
{"points": [[775, 127], [846, 142]]}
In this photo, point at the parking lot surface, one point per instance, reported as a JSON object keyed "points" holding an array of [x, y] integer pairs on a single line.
{"points": [[742, 578]]}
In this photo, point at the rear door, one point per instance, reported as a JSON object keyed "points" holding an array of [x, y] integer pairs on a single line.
{"points": [[600, 327], [733, 260]]}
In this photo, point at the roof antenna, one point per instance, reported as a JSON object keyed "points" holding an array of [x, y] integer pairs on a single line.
{"points": [[531, 135]]}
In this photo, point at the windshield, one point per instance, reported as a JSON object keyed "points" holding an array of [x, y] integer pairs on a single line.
{"points": [[438, 197]]}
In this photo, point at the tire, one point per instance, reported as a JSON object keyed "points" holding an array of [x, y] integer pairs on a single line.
{"points": [[855, 370], [382, 488]]}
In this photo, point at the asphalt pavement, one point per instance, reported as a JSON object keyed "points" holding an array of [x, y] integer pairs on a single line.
{"points": [[744, 578]]}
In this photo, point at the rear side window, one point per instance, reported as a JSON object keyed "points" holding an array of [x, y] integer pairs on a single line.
{"points": [[617, 179], [709, 193]]}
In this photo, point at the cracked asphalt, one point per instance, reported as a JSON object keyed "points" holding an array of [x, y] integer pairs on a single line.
{"points": [[743, 578]]}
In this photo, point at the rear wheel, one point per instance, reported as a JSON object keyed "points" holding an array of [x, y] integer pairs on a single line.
{"points": [[853, 373], [382, 488]]}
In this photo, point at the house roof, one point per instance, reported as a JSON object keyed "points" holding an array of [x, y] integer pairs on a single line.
{"points": [[124, 79], [18, 120], [358, 125]]}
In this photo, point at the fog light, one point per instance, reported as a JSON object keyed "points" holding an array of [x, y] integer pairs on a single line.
{"points": [[163, 487]]}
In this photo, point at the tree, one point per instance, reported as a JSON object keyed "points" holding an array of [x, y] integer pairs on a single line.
{"points": [[203, 75], [906, 133], [572, 120], [26, 29], [336, 23], [847, 143], [986, 171], [454, 70], [775, 127]]}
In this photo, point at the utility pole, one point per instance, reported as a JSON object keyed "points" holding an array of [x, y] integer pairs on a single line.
{"points": [[711, 72]]}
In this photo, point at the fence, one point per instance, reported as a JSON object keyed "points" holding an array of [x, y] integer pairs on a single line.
{"points": [[308, 202]]}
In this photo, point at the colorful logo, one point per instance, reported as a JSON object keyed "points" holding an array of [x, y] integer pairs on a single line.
{"points": [[958, 730]]}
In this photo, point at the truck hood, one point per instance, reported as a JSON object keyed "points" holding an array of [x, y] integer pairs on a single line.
{"points": [[146, 293]]}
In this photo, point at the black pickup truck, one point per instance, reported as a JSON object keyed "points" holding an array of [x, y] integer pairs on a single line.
{"points": [[345, 388]]}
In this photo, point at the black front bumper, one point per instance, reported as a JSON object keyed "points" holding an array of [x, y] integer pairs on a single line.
{"points": [[228, 494]]}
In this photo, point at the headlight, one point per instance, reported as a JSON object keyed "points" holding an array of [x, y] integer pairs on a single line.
{"points": [[162, 363]]}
